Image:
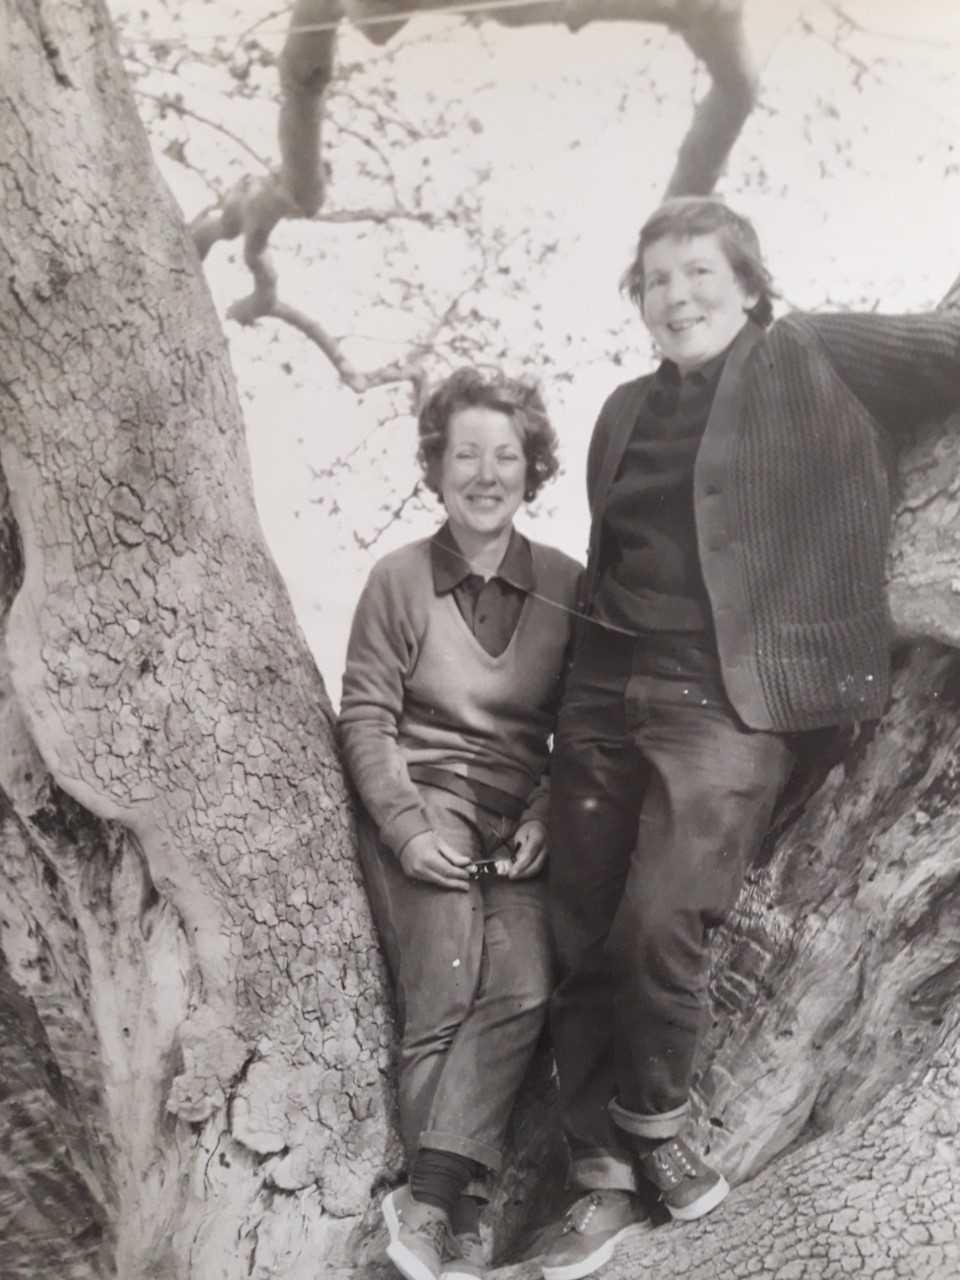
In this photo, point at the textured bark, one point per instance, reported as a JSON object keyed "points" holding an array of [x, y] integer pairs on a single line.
{"points": [[180, 905], [879, 1199]]}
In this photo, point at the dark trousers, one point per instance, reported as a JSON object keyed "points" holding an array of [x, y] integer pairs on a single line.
{"points": [[473, 974], [660, 798]]}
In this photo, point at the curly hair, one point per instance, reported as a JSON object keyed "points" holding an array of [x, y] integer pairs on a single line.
{"points": [[686, 216], [520, 401]]}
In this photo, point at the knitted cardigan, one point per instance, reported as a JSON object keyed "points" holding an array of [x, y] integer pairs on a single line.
{"points": [[420, 688], [792, 499]]}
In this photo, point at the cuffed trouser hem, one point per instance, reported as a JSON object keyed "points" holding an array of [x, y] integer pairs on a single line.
{"points": [[604, 1172], [489, 1157], [667, 1124]]}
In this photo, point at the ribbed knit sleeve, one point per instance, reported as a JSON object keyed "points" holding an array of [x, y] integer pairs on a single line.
{"points": [[904, 369], [381, 652]]}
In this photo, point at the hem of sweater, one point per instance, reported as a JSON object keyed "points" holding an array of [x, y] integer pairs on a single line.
{"points": [[744, 687], [516, 782]]}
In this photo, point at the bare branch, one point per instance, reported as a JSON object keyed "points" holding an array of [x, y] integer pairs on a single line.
{"points": [[713, 30], [717, 38], [397, 371], [395, 513], [174, 103]]}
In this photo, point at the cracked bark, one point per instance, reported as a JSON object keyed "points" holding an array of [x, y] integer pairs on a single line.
{"points": [[194, 1032], [181, 909]]}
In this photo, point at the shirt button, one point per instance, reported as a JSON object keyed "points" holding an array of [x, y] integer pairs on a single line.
{"points": [[711, 490]]}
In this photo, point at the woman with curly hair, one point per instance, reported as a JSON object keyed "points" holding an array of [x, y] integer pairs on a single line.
{"points": [[452, 682]]}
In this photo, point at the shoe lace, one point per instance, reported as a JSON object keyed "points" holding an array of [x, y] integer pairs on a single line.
{"points": [[579, 1214], [434, 1230], [674, 1163]]}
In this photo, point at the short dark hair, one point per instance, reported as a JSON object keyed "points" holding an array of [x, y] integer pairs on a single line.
{"points": [[686, 216], [520, 401]]}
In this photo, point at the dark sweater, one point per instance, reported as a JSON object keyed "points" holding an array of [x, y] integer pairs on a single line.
{"points": [[650, 578], [792, 499]]}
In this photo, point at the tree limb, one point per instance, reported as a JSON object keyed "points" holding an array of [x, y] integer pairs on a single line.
{"points": [[712, 29]]}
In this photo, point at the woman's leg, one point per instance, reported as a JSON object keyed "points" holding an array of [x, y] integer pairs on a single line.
{"points": [[597, 785], [712, 790], [488, 1058], [433, 942]]}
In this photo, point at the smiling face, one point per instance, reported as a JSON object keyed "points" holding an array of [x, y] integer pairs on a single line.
{"points": [[693, 302], [483, 474]]}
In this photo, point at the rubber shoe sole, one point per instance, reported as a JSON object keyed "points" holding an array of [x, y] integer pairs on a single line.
{"points": [[595, 1260], [408, 1264], [390, 1215], [454, 1271], [703, 1204]]}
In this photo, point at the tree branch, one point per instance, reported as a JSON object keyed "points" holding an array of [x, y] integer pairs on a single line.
{"points": [[396, 371], [174, 103]]}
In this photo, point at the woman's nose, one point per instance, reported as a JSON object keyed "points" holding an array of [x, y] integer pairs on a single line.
{"points": [[486, 470]]}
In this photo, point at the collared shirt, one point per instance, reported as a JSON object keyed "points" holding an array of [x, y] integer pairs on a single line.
{"points": [[491, 608], [652, 578]]}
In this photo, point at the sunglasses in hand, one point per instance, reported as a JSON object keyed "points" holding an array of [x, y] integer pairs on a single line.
{"points": [[486, 867]]}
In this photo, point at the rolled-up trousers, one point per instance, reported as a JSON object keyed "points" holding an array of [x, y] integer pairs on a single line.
{"points": [[660, 797]]}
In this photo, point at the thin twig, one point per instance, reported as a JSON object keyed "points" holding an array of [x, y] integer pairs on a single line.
{"points": [[168, 102]]}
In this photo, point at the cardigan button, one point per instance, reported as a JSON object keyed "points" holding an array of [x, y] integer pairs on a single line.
{"points": [[711, 489]]}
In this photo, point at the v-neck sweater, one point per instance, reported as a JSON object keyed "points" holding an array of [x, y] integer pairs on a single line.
{"points": [[419, 688]]}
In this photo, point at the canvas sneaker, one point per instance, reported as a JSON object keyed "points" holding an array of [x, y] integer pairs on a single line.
{"points": [[418, 1235], [467, 1258], [688, 1187], [593, 1227]]}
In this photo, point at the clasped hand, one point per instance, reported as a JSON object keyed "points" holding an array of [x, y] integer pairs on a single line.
{"points": [[430, 858]]}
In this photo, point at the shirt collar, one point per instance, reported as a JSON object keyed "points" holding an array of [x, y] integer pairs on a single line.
{"points": [[669, 375], [450, 566]]}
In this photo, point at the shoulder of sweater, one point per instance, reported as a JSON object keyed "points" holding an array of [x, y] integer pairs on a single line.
{"points": [[411, 558], [402, 579]]}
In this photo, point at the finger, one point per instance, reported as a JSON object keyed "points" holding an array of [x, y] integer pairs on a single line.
{"points": [[539, 861], [449, 871], [453, 854], [448, 881], [520, 865], [530, 863]]}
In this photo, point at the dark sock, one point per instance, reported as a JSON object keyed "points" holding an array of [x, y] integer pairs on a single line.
{"points": [[465, 1219], [439, 1177]]}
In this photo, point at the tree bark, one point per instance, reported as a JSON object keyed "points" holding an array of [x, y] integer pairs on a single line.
{"points": [[181, 907]]}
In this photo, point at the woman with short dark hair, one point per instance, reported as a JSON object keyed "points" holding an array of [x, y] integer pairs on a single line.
{"points": [[449, 698], [735, 600]]}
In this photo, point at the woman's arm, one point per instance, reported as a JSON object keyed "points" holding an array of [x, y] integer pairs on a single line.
{"points": [[381, 653], [904, 369]]}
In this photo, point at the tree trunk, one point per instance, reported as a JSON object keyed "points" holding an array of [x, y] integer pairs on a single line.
{"points": [[195, 1034], [190, 964]]}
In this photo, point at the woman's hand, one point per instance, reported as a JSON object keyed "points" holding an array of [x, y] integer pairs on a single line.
{"points": [[426, 857], [530, 842]]}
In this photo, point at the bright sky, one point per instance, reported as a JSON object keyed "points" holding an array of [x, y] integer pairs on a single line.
{"points": [[849, 167]]}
